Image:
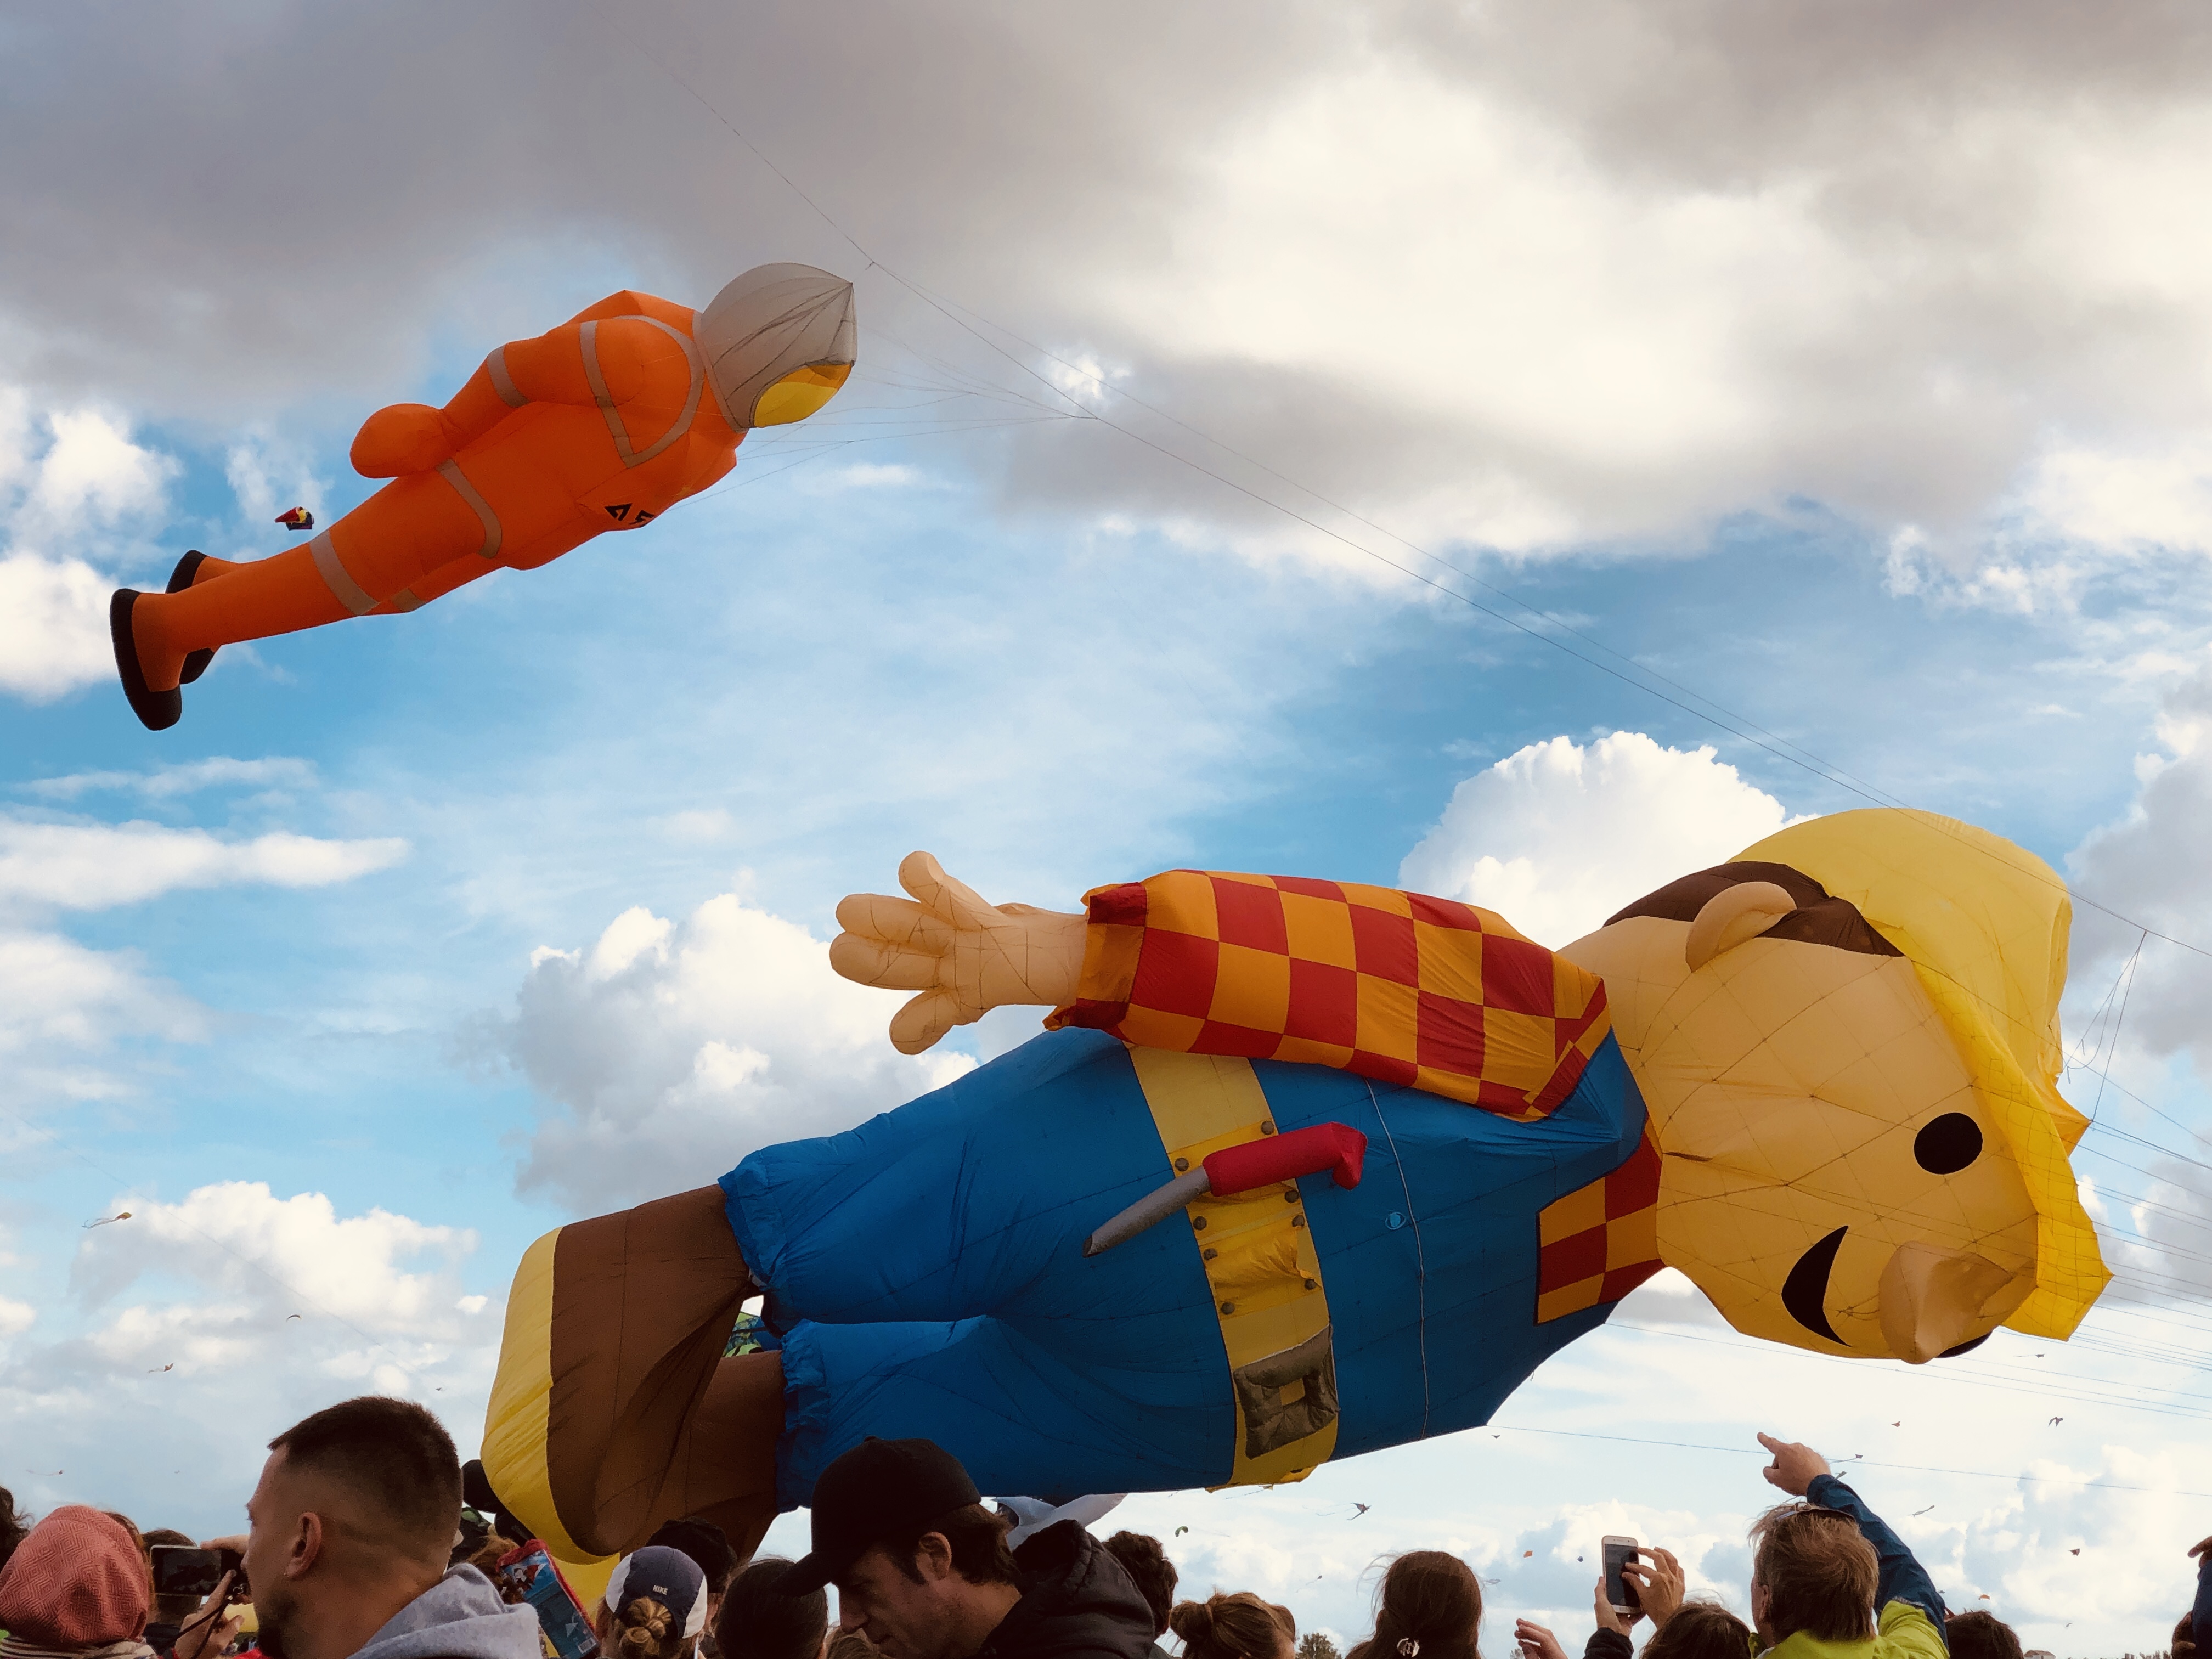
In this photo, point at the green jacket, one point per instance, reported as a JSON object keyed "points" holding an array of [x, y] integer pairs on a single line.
{"points": [[1903, 1631]]}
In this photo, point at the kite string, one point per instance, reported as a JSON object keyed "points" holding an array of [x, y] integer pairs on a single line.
{"points": [[1420, 1257], [1866, 1462], [2121, 1020]]}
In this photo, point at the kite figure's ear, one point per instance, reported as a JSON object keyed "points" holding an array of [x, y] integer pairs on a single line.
{"points": [[1733, 915]]}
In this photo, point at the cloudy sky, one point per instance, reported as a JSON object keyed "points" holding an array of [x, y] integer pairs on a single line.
{"points": [[1525, 452]]}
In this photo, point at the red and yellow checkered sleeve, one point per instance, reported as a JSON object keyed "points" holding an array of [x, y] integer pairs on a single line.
{"points": [[1396, 987]]}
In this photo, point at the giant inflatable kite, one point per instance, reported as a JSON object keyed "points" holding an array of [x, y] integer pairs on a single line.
{"points": [[1305, 1168], [602, 424]]}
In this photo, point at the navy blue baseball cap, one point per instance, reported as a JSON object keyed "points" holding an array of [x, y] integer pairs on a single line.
{"points": [[662, 1575]]}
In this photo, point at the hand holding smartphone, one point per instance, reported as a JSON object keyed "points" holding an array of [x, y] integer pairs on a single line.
{"points": [[1619, 1591], [180, 1570]]}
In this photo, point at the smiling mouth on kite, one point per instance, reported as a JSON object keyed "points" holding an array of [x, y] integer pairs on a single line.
{"points": [[1805, 1294]]}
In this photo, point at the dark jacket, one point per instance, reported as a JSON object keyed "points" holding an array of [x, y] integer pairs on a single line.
{"points": [[1077, 1603]]}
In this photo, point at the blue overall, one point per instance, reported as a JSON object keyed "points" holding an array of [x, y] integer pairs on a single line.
{"points": [[925, 1274]]}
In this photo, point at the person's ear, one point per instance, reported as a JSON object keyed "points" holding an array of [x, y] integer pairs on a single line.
{"points": [[1732, 916], [933, 1557], [309, 1539]]}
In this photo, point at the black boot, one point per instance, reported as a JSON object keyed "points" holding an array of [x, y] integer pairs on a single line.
{"points": [[157, 710], [196, 662]]}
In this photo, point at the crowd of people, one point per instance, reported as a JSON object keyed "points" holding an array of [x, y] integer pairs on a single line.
{"points": [[361, 1544]]}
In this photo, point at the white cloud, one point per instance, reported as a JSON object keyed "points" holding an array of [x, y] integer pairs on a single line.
{"points": [[15, 1317], [92, 468], [53, 626], [862, 474], [1558, 835], [271, 1257], [222, 1316], [58, 998], [185, 778], [65, 1010], [670, 1050], [1697, 258], [92, 866], [2151, 865], [53, 605], [270, 477]]}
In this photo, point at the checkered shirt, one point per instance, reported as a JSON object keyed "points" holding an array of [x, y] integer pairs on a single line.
{"points": [[1599, 1242], [1396, 987]]}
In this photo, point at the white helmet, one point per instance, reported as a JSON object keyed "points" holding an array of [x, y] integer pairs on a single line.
{"points": [[779, 341]]}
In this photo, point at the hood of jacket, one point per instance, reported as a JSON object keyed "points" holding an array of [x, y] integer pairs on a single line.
{"points": [[1077, 1603], [460, 1617]]}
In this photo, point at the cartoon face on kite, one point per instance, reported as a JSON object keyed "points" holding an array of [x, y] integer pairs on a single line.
{"points": [[600, 425], [1865, 1146]]}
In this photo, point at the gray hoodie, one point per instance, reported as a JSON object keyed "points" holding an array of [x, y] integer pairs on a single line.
{"points": [[460, 1617]]}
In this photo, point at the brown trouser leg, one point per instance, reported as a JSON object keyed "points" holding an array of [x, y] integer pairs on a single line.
{"points": [[647, 1420]]}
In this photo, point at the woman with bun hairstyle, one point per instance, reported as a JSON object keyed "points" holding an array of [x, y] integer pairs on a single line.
{"points": [[758, 1621], [1238, 1626], [655, 1606], [1429, 1607]]}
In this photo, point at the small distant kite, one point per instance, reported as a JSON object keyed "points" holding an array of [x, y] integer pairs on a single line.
{"points": [[2073, 1551], [1898, 1424], [2055, 1421], [1525, 1554], [1179, 1531], [290, 1317], [1917, 1513], [104, 1220], [1361, 1508], [157, 1370], [297, 519]]}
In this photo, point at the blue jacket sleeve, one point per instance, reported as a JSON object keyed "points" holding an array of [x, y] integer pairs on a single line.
{"points": [[1902, 1576], [2200, 1616]]}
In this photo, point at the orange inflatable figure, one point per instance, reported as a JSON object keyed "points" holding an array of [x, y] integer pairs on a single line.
{"points": [[602, 424]]}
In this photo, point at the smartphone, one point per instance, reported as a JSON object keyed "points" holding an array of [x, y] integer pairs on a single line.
{"points": [[180, 1570], [527, 1577], [1621, 1592]]}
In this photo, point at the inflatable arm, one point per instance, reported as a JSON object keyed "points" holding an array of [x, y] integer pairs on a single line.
{"points": [[633, 355], [1396, 987]]}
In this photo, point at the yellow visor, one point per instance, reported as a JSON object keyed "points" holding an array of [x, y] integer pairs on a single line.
{"points": [[799, 393]]}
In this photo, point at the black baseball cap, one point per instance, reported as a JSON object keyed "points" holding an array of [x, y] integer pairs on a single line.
{"points": [[878, 1490]]}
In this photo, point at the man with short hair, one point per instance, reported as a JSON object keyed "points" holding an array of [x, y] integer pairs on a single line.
{"points": [[351, 1524], [1821, 1569], [922, 1569]]}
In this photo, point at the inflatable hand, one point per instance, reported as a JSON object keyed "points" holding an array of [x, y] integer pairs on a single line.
{"points": [[963, 956], [402, 438]]}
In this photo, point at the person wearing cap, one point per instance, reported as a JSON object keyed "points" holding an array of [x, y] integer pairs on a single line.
{"points": [[923, 1571], [601, 425], [654, 1607]]}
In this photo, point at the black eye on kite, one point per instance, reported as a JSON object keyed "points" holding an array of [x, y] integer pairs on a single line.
{"points": [[1949, 1143]]}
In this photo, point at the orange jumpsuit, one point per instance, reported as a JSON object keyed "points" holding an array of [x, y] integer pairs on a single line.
{"points": [[600, 424]]}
